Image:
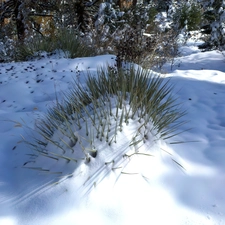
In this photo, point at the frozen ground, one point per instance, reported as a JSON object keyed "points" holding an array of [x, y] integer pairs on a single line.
{"points": [[146, 189]]}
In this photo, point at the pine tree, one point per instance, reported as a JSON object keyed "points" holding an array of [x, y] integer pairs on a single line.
{"points": [[215, 25]]}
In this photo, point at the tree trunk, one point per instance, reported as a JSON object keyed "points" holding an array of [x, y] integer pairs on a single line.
{"points": [[19, 21]]}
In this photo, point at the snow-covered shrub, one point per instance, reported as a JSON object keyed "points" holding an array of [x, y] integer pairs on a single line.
{"points": [[110, 14], [132, 34], [7, 49], [163, 5], [137, 17], [214, 26], [112, 22], [119, 111]]}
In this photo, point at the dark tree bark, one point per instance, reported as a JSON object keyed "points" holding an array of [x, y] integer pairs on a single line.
{"points": [[19, 21]]}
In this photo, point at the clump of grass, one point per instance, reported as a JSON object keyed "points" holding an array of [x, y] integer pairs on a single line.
{"points": [[73, 45], [70, 42], [97, 114], [32, 47]]}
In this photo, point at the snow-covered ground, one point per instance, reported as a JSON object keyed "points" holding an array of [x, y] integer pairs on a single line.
{"points": [[180, 184]]}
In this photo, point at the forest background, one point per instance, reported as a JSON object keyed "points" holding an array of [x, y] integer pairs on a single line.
{"points": [[133, 30]]}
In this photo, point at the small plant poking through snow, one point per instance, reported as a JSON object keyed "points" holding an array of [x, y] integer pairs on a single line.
{"points": [[114, 114]]}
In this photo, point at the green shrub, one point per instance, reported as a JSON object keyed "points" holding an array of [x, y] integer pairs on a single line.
{"points": [[68, 41], [73, 45], [152, 14], [189, 15], [33, 47]]}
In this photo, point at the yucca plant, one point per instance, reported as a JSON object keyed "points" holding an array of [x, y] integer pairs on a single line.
{"points": [[117, 111]]}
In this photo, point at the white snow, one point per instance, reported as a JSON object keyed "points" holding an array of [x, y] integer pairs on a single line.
{"points": [[179, 184]]}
